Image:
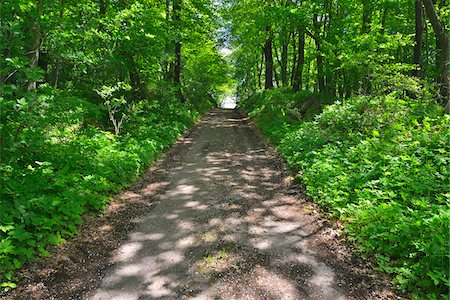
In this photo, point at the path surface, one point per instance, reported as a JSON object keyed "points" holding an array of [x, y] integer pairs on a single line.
{"points": [[227, 226], [217, 218]]}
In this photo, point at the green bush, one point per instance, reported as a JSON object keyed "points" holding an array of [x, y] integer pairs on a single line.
{"points": [[55, 166], [381, 164]]}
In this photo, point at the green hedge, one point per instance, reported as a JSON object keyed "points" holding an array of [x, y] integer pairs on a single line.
{"points": [[381, 164]]}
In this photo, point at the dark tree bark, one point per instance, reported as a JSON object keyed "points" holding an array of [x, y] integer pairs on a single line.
{"points": [[176, 11], [177, 66], [294, 58], [297, 79], [167, 67], [443, 43], [367, 16], [383, 20], [103, 7], [418, 39], [284, 59], [139, 88], [268, 57]]}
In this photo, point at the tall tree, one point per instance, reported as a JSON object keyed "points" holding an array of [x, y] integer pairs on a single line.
{"points": [[443, 44], [268, 58], [298, 71], [418, 38], [176, 11], [319, 57], [34, 42]]}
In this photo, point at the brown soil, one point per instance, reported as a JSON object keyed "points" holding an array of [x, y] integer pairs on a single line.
{"points": [[218, 217]]}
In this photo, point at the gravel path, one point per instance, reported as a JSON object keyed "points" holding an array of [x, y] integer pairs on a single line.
{"points": [[217, 218], [227, 226]]}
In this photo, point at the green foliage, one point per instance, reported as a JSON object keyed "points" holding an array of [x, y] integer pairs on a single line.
{"points": [[70, 74], [65, 169], [381, 164], [348, 47]]}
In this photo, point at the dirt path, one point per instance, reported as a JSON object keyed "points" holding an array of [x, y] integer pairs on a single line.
{"points": [[218, 218]]}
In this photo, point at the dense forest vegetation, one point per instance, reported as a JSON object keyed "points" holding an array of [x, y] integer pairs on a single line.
{"points": [[352, 92], [91, 93]]}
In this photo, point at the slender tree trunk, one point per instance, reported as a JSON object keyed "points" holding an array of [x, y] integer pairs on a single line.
{"points": [[383, 20], [268, 56], [367, 16], [260, 68], [419, 39], [103, 7], [278, 60], [294, 59], [308, 72], [34, 43], [102, 10], [331, 88], [284, 60], [297, 82], [167, 66], [347, 85], [177, 66], [275, 75], [138, 87], [427, 45], [56, 71], [341, 85], [319, 59], [443, 43]]}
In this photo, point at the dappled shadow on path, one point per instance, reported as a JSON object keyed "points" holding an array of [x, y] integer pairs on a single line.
{"points": [[226, 225]]}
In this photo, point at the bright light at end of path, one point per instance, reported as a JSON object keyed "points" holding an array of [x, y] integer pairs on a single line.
{"points": [[228, 102], [226, 51]]}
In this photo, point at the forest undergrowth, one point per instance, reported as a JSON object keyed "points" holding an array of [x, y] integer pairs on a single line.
{"points": [[63, 167], [379, 164]]}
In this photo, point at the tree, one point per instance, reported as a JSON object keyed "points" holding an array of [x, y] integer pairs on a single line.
{"points": [[418, 38], [268, 58], [443, 45]]}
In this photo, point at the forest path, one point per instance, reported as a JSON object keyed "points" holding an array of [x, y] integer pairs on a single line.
{"points": [[228, 225], [218, 217]]}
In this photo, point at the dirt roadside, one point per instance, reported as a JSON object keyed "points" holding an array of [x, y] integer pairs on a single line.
{"points": [[217, 218]]}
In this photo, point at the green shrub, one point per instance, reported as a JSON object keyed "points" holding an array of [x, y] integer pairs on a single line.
{"points": [[381, 164], [56, 166]]}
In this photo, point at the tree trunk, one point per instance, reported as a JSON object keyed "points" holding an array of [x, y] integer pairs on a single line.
{"points": [[367, 16], [268, 56], [275, 75], [419, 39], [34, 43], [443, 43], [177, 66], [297, 82], [284, 60], [56, 71], [319, 59], [260, 68], [139, 89], [102, 10], [294, 58], [166, 65]]}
